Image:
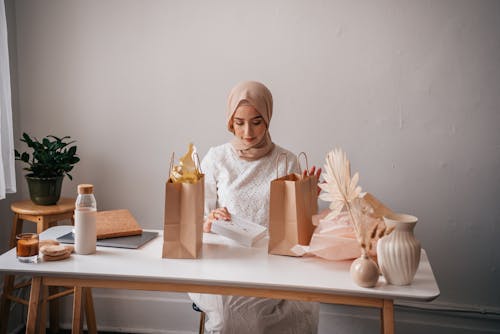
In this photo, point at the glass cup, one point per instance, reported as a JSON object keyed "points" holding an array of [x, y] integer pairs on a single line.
{"points": [[27, 247]]}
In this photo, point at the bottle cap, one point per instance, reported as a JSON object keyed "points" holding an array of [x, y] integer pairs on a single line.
{"points": [[85, 188]]}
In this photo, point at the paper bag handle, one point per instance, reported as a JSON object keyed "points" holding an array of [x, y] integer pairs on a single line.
{"points": [[171, 164], [298, 161], [277, 163], [197, 162]]}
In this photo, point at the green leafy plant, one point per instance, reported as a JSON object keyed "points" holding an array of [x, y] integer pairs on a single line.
{"points": [[52, 156]]}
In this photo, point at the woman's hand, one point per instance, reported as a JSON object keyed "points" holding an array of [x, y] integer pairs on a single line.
{"points": [[312, 172], [219, 213]]}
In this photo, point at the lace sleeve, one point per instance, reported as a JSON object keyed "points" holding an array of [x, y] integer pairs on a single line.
{"points": [[208, 168]]}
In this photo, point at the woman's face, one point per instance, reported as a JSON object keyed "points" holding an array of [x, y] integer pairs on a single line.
{"points": [[249, 125]]}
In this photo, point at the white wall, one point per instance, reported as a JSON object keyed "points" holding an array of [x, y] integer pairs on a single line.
{"points": [[410, 89]]}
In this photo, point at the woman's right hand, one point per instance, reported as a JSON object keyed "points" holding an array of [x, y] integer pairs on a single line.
{"points": [[219, 213], [313, 172]]}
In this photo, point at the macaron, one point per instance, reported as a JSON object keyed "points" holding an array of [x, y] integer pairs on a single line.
{"points": [[54, 250], [48, 242], [57, 257]]}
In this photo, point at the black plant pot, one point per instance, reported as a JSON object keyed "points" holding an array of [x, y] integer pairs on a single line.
{"points": [[44, 190]]}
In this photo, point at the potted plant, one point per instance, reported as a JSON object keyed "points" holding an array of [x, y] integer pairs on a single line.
{"points": [[51, 159]]}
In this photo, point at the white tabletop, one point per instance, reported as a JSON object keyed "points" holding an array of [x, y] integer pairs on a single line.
{"points": [[222, 263]]}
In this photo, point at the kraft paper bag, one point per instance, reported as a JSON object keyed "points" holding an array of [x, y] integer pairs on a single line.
{"points": [[293, 202], [183, 227]]}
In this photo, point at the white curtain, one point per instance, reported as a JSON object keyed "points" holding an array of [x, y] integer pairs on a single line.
{"points": [[7, 172]]}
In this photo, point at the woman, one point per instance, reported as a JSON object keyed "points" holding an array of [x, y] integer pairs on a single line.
{"points": [[237, 182]]}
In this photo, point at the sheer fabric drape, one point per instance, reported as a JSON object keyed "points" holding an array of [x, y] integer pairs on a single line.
{"points": [[7, 172]]}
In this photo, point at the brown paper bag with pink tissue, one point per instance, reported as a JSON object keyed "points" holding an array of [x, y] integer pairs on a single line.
{"points": [[335, 239], [293, 202], [184, 205]]}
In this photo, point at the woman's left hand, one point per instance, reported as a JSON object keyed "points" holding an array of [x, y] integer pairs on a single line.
{"points": [[313, 172]]}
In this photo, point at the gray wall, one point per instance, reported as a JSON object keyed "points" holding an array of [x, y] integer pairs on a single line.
{"points": [[410, 89]]}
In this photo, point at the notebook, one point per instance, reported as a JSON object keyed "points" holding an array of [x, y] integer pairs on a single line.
{"points": [[116, 223], [132, 242]]}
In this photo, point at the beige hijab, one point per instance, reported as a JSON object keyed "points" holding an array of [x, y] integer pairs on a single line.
{"points": [[258, 96]]}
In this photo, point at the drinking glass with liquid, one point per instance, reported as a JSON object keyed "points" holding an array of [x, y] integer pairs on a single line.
{"points": [[85, 216], [27, 247]]}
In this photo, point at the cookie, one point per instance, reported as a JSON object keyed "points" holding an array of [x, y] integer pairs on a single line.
{"points": [[70, 248], [48, 242], [54, 250], [56, 258]]}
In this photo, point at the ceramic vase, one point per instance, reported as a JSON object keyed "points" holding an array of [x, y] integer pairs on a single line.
{"points": [[44, 190], [364, 271], [399, 252]]}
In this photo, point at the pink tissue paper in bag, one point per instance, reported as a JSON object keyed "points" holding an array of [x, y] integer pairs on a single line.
{"points": [[335, 239]]}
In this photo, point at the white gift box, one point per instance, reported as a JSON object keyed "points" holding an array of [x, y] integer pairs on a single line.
{"points": [[240, 230]]}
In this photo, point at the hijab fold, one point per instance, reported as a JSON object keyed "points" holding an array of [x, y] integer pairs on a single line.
{"points": [[257, 95]]}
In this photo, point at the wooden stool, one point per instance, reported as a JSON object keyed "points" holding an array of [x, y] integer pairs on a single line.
{"points": [[44, 216], [201, 328]]}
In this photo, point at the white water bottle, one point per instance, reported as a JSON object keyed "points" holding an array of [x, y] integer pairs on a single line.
{"points": [[85, 212]]}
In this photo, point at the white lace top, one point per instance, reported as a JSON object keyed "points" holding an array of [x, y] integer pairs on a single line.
{"points": [[242, 186]]}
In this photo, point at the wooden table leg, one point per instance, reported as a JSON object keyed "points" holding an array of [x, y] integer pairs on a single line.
{"points": [[387, 317], [89, 311], [36, 285], [54, 310], [8, 284], [77, 311], [43, 310]]}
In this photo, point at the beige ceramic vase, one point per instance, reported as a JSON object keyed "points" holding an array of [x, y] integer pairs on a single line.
{"points": [[398, 253], [364, 271]]}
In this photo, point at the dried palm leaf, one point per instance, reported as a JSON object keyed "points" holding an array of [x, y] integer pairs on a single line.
{"points": [[340, 189]]}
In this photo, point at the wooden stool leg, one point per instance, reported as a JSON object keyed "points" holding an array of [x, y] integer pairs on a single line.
{"points": [[54, 310], [17, 227], [36, 286], [8, 284], [89, 311], [77, 311], [202, 323], [42, 225]]}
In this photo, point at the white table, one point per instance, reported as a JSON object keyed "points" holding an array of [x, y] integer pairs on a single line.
{"points": [[224, 268]]}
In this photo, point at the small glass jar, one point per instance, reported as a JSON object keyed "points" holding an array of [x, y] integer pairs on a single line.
{"points": [[27, 247]]}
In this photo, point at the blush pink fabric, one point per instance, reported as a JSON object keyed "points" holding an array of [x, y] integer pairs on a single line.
{"points": [[335, 239]]}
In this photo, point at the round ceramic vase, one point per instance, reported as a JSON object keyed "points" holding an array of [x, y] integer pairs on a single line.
{"points": [[44, 190], [364, 271], [398, 253]]}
